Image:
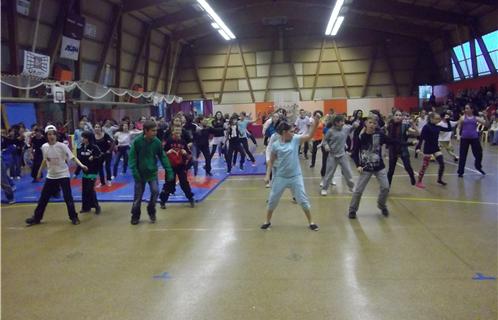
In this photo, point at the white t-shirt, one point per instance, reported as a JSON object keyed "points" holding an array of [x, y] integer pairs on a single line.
{"points": [[446, 135], [302, 125], [124, 138], [56, 156]]}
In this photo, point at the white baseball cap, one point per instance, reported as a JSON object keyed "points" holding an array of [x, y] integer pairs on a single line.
{"points": [[49, 128]]}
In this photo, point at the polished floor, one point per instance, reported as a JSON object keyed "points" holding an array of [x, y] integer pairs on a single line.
{"points": [[435, 257]]}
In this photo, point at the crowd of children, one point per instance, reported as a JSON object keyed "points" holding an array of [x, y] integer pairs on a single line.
{"points": [[179, 144]]}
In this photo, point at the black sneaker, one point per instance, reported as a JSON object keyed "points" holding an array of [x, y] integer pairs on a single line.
{"points": [[441, 182], [314, 227], [352, 215], [265, 226], [32, 221], [152, 217], [98, 210], [134, 221], [75, 221], [385, 212], [460, 175], [482, 172], [163, 205], [192, 203]]}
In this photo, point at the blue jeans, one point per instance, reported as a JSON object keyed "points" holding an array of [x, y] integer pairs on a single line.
{"points": [[137, 199]]}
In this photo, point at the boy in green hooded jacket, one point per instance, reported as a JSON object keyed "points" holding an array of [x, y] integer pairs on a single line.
{"points": [[145, 150]]}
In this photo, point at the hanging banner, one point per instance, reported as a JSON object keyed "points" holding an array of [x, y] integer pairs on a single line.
{"points": [[23, 7], [36, 65], [74, 26], [90, 31], [70, 48]]}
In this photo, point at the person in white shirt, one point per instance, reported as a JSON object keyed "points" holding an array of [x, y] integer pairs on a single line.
{"points": [[55, 157], [302, 124], [445, 136], [123, 141]]}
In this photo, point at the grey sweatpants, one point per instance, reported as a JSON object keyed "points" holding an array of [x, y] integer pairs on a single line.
{"points": [[361, 185], [332, 163]]}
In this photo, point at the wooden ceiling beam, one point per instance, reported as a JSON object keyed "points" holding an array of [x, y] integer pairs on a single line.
{"points": [[134, 5], [425, 13]]}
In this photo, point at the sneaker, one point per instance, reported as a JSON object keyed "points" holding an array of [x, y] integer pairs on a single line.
{"points": [[113, 177], [98, 210], [385, 212], [482, 172], [253, 164], [241, 166], [441, 182], [84, 211], [351, 189], [109, 183], [75, 221], [314, 227], [163, 205], [312, 166], [333, 182], [152, 217], [265, 226], [456, 159], [18, 178], [134, 221], [12, 201], [267, 185], [100, 185], [32, 221], [294, 200], [460, 175], [321, 183], [420, 185], [413, 181], [352, 215], [192, 203], [323, 192]]}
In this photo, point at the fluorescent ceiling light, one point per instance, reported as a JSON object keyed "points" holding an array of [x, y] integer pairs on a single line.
{"points": [[333, 16], [217, 19], [337, 25], [215, 25], [223, 34]]}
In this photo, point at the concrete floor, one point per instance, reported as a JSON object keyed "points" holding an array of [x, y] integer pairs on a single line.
{"points": [[213, 262]]}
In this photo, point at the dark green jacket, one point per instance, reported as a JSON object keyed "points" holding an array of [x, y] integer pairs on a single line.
{"points": [[144, 154]]}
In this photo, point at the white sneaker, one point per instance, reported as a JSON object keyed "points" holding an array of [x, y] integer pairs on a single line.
{"points": [[267, 185], [321, 183], [333, 182], [18, 178], [323, 192], [112, 178], [109, 183], [99, 185]]}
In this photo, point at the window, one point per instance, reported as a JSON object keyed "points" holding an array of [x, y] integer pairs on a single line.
{"points": [[462, 53]]}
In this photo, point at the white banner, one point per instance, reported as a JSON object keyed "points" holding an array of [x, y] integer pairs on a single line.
{"points": [[23, 7], [36, 65], [59, 94], [70, 48]]}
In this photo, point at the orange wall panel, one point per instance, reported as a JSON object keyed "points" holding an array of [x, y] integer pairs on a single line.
{"points": [[263, 108], [339, 106], [406, 103]]}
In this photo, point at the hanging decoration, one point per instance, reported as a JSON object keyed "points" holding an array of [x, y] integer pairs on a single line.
{"points": [[89, 88], [36, 65]]}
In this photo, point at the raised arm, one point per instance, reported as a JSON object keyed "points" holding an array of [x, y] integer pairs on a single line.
{"points": [[309, 135]]}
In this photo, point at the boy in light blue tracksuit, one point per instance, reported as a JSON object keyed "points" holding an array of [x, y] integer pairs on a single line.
{"points": [[284, 160]]}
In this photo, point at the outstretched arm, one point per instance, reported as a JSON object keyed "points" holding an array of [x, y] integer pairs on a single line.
{"points": [[309, 135]]}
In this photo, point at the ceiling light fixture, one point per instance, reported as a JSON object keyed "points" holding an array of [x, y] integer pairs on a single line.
{"points": [[333, 21], [218, 23], [337, 25]]}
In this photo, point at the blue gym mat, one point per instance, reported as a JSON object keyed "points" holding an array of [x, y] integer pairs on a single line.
{"points": [[122, 186]]}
